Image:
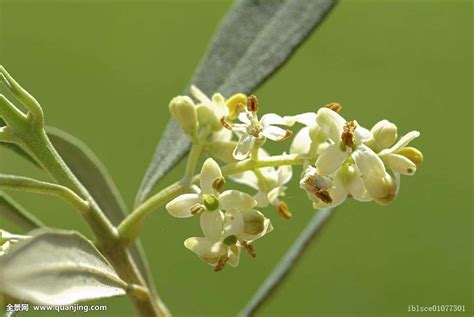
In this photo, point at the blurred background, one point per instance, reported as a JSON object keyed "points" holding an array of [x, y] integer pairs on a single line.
{"points": [[105, 71]]}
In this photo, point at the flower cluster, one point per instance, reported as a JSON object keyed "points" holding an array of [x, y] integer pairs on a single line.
{"points": [[340, 159]]}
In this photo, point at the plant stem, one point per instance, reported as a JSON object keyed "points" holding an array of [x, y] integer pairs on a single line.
{"points": [[130, 226], [39, 146], [287, 263], [35, 186], [193, 158]]}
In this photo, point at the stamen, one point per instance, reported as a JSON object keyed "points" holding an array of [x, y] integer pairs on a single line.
{"points": [[347, 135], [334, 106], [317, 185], [249, 248], [197, 209], [288, 134], [252, 103], [222, 262], [218, 184], [225, 124], [323, 195], [283, 210]]}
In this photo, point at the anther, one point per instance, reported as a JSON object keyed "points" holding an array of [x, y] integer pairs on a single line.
{"points": [[334, 106], [252, 103], [225, 124], [218, 184], [283, 210], [222, 262], [249, 248], [347, 135], [197, 209]]}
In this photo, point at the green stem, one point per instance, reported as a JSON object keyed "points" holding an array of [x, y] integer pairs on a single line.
{"points": [[193, 158], [130, 226], [36, 186]]}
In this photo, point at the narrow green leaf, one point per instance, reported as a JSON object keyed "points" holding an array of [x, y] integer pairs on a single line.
{"points": [[92, 173], [11, 210], [57, 267], [254, 40]]}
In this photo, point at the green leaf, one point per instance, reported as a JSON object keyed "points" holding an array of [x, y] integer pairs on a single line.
{"points": [[92, 173], [57, 268], [254, 40], [11, 210]]}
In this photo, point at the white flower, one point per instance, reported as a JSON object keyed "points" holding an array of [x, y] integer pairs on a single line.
{"points": [[239, 230], [402, 159], [212, 110], [208, 201], [270, 184], [348, 141], [332, 191], [251, 129], [310, 139]]}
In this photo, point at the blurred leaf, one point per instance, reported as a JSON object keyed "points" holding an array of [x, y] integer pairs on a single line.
{"points": [[91, 173], [94, 176], [11, 210], [57, 268], [254, 40]]}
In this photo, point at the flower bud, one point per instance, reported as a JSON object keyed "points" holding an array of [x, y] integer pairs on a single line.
{"points": [[183, 110], [236, 104], [384, 135], [412, 154], [206, 116], [400, 164], [222, 151]]}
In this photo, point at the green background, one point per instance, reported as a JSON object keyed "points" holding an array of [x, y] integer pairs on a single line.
{"points": [[106, 70]]}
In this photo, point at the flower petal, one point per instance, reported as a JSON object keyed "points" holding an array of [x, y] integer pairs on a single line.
{"points": [[377, 181], [219, 105], [256, 225], [246, 178], [400, 164], [212, 224], [234, 199], [199, 95], [271, 119], [356, 187], [180, 207], [209, 172], [275, 193], [262, 199], [233, 223], [338, 194], [243, 148], [274, 133], [369, 163], [307, 118], [285, 173], [362, 134], [301, 143], [404, 141], [330, 159], [207, 250], [234, 257], [331, 123]]}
